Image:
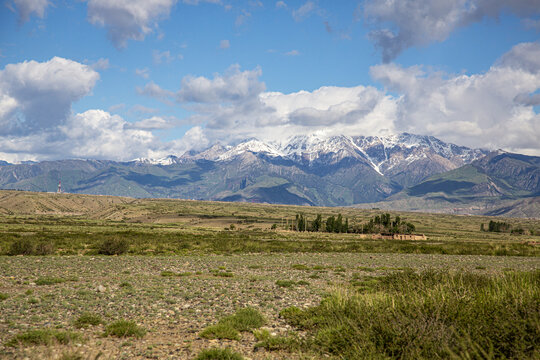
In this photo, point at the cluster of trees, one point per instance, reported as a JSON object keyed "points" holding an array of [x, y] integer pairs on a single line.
{"points": [[383, 224], [379, 224], [501, 226], [332, 224]]}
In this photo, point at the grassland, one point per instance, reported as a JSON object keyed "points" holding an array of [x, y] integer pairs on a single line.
{"points": [[185, 270]]}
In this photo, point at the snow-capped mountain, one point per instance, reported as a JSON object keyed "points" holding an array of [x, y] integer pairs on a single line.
{"points": [[308, 169], [388, 155]]}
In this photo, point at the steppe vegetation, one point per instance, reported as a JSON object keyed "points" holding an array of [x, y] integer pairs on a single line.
{"points": [[85, 277]]}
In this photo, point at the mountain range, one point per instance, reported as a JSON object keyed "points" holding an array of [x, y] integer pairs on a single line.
{"points": [[376, 171]]}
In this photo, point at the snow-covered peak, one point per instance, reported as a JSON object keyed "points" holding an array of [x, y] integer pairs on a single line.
{"points": [[252, 145], [167, 160]]}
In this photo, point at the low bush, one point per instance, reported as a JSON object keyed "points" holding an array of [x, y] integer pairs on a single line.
{"points": [[219, 354], [88, 319], [124, 328], [114, 246], [43, 337], [428, 315], [220, 331], [48, 280], [245, 319]]}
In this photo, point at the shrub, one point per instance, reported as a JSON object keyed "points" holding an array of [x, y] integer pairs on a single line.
{"points": [[219, 354], [48, 280], [21, 247], [124, 328], [245, 319], [114, 246], [3, 296], [285, 283], [88, 319], [227, 328], [273, 342], [44, 248], [43, 337], [300, 267], [428, 315], [220, 331]]}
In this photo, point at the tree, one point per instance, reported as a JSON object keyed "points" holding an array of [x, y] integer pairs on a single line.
{"points": [[316, 225], [330, 224], [338, 225]]}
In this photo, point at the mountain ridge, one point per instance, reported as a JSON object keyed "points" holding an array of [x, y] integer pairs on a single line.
{"points": [[304, 170]]}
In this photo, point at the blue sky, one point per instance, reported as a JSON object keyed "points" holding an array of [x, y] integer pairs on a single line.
{"points": [[123, 79]]}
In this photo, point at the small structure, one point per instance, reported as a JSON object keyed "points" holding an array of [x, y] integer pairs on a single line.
{"points": [[59, 191], [393, 236]]}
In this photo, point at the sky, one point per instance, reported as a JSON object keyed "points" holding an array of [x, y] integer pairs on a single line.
{"points": [[125, 79]]}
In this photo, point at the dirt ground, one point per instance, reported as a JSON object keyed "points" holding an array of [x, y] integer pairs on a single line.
{"points": [[175, 309]]}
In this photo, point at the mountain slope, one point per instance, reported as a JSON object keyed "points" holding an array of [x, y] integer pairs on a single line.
{"points": [[304, 170]]}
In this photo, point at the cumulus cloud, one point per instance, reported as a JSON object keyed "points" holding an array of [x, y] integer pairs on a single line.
{"points": [[164, 57], [236, 105], [101, 64], [493, 109], [36, 95], [25, 8], [234, 85], [281, 4], [155, 91], [94, 134], [398, 25], [128, 19], [153, 123]]}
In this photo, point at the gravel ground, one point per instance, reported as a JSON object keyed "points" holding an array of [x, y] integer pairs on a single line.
{"points": [[175, 309]]}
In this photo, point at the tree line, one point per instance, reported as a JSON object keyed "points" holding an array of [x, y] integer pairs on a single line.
{"points": [[379, 224]]}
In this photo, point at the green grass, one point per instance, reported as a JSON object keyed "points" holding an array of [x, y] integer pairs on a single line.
{"points": [[88, 319], [3, 296], [220, 331], [49, 280], [428, 315], [274, 342], [300, 267], [219, 354], [245, 319], [124, 328], [43, 337]]}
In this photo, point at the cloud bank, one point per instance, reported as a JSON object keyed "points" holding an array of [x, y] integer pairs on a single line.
{"points": [[128, 19], [399, 25]]}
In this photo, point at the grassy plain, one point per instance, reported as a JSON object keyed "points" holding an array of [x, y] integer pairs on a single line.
{"points": [[186, 269]]}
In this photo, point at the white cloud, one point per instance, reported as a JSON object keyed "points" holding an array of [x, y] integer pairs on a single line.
{"points": [[197, 2], [293, 53], [153, 123], [164, 57], [491, 110], [37, 95], [26, 8], [155, 91], [398, 25], [234, 85], [281, 4], [144, 73], [224, 44], [101, 64], [94, 134], [128, 19], [304, 11], [235, 105]]}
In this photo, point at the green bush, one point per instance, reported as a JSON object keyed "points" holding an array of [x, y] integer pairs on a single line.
{"points": [[124, 328], [21, 247], [428, 315], [29, 247], [219, 354], [273, 343], [88, 319], [43, 337], [48, 280], [227, 328], [245, 319], [114, 246], [3, 296], [220, 331]]}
